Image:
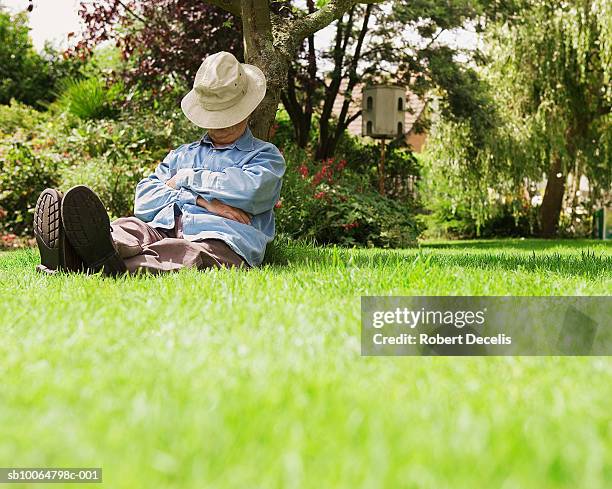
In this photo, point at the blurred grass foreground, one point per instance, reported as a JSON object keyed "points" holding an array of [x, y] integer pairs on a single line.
{"points": [[238, 379]]}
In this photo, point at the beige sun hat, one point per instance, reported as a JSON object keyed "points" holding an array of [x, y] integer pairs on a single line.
{"points": [[224, 92]]}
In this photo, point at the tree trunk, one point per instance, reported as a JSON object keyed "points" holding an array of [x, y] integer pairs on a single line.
{"points": [[343, 118], [301, 117], [553, 200], [304, 134], [259, 51], [343, 32]]}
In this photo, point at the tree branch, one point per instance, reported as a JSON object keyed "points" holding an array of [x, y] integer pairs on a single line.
{"points": [[353, 117], [352, 77], [317, 20], [231, 6], [289, 97], [131, 12], [312, 68]]}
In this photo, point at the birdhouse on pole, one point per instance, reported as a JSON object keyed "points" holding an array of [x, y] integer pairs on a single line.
{"points": [[383, 114], [383, 111]]}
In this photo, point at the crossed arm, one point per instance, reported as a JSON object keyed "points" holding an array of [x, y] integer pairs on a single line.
{"points": [[235, 193], [217, 207]]}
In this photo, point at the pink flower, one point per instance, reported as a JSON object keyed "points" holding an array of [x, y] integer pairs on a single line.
{"points": [[278, 205], [326, 173]]}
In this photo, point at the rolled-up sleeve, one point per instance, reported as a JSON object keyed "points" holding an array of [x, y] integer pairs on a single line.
{"points": [[253, 187], [153, 195]]}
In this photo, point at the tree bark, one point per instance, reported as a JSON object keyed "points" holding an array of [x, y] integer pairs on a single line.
{"points": [[259, 50], [553, 200]]}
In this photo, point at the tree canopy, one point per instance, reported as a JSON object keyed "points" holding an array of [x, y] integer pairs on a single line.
{"points": [[161, 40], [24, 74], [548, 79]]}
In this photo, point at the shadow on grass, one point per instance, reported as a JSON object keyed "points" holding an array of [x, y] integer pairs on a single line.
{"points": [[518, 244], [583, 262], [287, 254]]}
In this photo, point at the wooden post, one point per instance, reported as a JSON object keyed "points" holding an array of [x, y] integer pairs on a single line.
{"points": [[381, 169]]}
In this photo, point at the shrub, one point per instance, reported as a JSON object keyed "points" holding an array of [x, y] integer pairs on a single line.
{"points": [[28, 76], [448, 221], [401, 166], [16, 116], [330, 201], [114, 180], [89, 98], [326, 202], [508, 217], [61, 151], [24, 173], [115, 155], [511, 219], [25, 74]]}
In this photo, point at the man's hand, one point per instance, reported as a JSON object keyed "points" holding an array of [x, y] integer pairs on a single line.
{"points": [[217, 207], [172, 182]]}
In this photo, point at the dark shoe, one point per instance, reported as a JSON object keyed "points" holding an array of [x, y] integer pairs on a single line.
{"points": [[88, 229], [56, 253]]}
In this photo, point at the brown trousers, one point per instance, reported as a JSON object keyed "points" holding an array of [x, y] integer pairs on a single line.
{"points": [[145, 248]]}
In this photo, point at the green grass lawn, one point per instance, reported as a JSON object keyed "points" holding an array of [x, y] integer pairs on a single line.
{"points": [[254, 379]]}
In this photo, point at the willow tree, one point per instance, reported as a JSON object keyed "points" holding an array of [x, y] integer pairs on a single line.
{"points": [[554, 66], [548, 77]]}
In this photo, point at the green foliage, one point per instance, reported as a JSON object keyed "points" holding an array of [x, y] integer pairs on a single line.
{"points": [[16, 116], [330, 203], [26, 75], [466, 97], [117, 154], [463, 183], [545, 97], [89, 98], [61, 150], [282, 133], [555, 64], [23, 73], [24, 173], [401, 165]]}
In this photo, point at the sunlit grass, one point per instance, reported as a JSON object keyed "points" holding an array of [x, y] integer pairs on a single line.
{"points": [[253, 379]]}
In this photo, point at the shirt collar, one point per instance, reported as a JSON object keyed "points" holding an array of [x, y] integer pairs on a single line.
{"points": [[243, 143]]}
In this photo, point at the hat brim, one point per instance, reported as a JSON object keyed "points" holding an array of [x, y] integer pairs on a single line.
{"points": [[218, 119]]}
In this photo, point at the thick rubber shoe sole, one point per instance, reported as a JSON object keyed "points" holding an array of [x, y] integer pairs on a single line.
{"points": [[48, 228], [56, 253], [87, 227]]}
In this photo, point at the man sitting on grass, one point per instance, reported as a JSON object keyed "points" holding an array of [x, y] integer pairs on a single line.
{"points": [[208, 204]]}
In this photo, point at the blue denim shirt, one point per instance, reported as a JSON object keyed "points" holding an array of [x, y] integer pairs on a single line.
{"points": [[246, 174]]}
